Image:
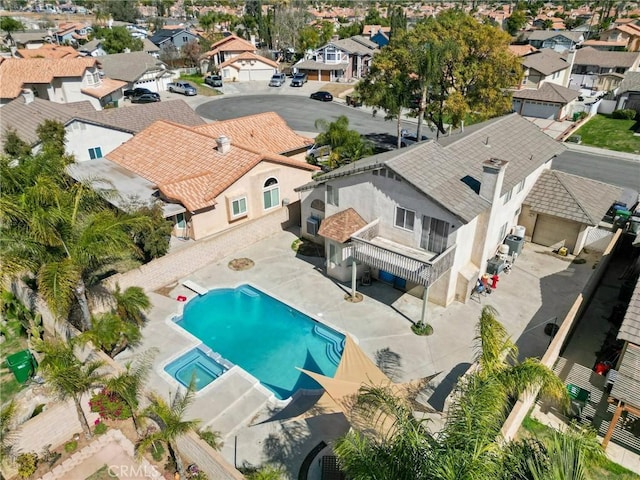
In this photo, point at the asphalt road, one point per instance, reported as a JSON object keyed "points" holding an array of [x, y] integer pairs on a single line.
{"points": [[301, 113], [616, 171]]}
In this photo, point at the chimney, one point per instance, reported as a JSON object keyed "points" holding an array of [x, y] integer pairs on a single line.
{"points": [[28, 96], [492, 178], [224, 144]]}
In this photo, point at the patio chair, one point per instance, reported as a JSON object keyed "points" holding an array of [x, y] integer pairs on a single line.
{"points": [[578, 398]]}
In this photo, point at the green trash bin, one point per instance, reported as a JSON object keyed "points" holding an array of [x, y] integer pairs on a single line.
{"points": [[23, 365]]}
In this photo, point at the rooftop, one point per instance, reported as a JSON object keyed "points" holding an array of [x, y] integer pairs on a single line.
{"points": [[545, 61], [591, 56], [129, 67], [342, 225], [548, 92]]}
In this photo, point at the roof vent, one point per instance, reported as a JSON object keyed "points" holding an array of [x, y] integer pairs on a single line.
{"points": [[223, 143], [486, 143], [28, 96]]}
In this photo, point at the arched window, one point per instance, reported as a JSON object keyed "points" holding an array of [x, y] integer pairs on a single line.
{"points": [[271, 193]]}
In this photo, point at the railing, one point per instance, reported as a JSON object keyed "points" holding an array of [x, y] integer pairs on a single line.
{"points": [[409, 268]]}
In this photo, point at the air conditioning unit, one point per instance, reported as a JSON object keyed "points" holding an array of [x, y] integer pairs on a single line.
{"points": [[312, 226]]}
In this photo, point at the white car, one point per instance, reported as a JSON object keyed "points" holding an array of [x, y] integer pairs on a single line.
{"points": [[319, 151]]}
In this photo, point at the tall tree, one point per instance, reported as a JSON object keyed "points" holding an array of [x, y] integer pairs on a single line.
{"points": [[69, 377], [170, 418], [191, 52], [118, 39], [9, 25], [516, 21], [346, 145]]}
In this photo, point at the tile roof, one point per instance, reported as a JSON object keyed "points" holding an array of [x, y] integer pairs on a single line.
{"points": [[545, 61], [631, 83], [149, 46], [630, 328], [166, 33], [571, 197], [186, 165], [107, 86], [373, 29], [129, 67], [340, 226], [15, 72], [445, 170], [521, 50], [247, 56], [313, 65], [548, 92], [232, 43], [358, 47], [48, 50], [629, 29], [591, 56], [266, 132], [547, 34], [604, 43]]}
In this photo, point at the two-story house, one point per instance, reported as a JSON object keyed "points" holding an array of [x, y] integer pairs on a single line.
{"points": [[543, 91], [64, 80], [237, 59], [429, 217], [167, 39], [591, 65], [48, 50], [72, 33], [627, 34], [339, 60], [554, 40]]}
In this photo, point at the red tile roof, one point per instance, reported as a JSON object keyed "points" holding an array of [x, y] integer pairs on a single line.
{"points": [[340, 226], [49, 50], [231, 43], [186, 165], [247, 57], [106, 87]]}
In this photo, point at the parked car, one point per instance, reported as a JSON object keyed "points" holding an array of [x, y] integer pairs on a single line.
{"points": [[134, 92], [145, 98], [298, 80], [322, 96], [277, 80], [319, 151], [409, 138], [184, 88], [213, 80]]}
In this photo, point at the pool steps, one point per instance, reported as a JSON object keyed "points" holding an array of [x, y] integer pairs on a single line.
{"points": [[215, 356], [248, 291], [335, 342]]}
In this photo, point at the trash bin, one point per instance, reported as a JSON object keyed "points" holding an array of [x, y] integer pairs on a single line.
{"points": [[22, 364]]}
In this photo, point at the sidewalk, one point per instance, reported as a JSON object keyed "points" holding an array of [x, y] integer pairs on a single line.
{"points": [[603, 152]]}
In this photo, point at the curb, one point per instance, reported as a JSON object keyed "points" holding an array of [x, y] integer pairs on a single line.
{"points": [[602, 152]]}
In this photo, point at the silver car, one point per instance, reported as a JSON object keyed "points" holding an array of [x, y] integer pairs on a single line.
{"points": [[277, 80]]}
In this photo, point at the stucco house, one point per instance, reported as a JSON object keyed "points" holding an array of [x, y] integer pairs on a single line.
{"points": [[212, 182], [72, 33], [89, 134], [167, 39], [236, 59], [137, 69], [29, 38], [429, 217], [627, 34], [628, 93], [559, 41], [339, 60], [48, 50], [64, 80], [589, 63], [564, 210], [544, 66]]}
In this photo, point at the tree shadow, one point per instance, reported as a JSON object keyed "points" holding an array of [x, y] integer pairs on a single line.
{"points": [[389, 362], [445, 387]]}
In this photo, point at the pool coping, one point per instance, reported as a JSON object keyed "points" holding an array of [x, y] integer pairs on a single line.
{"points": [[270, 396]]}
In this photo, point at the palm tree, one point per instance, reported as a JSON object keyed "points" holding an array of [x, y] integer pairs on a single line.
{"points": [[131, 304], [69, 377], [170, 419], [128, 385], [111, 333], [7, 435]]}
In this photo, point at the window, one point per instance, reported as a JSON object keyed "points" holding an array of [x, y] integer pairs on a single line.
{"points": [[185, 39], [503, 232], [332, 196], [435, 235], [95, 152], [507, 197], [405, 218], [331, 55], [333, 254], [271, 193], [239, 207], [520, 186]]}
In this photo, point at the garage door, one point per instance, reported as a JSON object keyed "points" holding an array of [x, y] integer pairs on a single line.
{"points": [[311, 74], [539, 110], [550, 231], [325, 75]]}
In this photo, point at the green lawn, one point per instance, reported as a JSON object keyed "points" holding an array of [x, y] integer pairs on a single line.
{"points": [[604, 470], [610, 133], [203, 89]]}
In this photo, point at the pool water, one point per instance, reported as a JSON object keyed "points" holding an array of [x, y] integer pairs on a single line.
{"points": [[196, 365], [264, 336]]}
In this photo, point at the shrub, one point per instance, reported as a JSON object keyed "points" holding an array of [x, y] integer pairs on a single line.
{"points": [[27, 464], [157, 451], [100, 428], [109, 405], [626, 114], [70, 446], [212, 438], [422, 328]]}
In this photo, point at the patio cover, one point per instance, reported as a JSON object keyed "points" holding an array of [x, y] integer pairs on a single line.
{"points": [[355, 371]]}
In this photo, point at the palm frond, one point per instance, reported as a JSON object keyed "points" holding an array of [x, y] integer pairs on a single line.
{"points": [[494, 349]]}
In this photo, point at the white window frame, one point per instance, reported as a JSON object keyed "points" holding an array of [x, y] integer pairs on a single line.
{"points": [[507, 197], [270, 189], [93, 153], [520, 186], [241, 213], [503, 232], [333, 196], [404, 218]]}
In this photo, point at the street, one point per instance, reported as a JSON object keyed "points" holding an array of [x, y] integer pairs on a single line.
{"points": [[616, 171]]}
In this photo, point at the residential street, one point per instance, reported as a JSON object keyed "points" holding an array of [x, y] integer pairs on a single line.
{"points": [[617, 171]]}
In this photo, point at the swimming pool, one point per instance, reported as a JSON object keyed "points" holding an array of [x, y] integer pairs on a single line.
{"points": [[264, 336]]}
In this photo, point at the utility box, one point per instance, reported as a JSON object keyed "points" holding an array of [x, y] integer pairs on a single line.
{"points": [[23, 365], [516, 244]]}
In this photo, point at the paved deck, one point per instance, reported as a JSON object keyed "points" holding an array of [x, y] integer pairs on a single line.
{"points": [[541, 286]]}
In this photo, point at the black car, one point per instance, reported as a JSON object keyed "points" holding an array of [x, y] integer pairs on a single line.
{"points": [[298, 80], [322, 96], [136, 92], [213, 80], [146, 98]]}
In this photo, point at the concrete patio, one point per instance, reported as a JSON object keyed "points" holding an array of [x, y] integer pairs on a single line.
{"points": [[540, 288]]}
